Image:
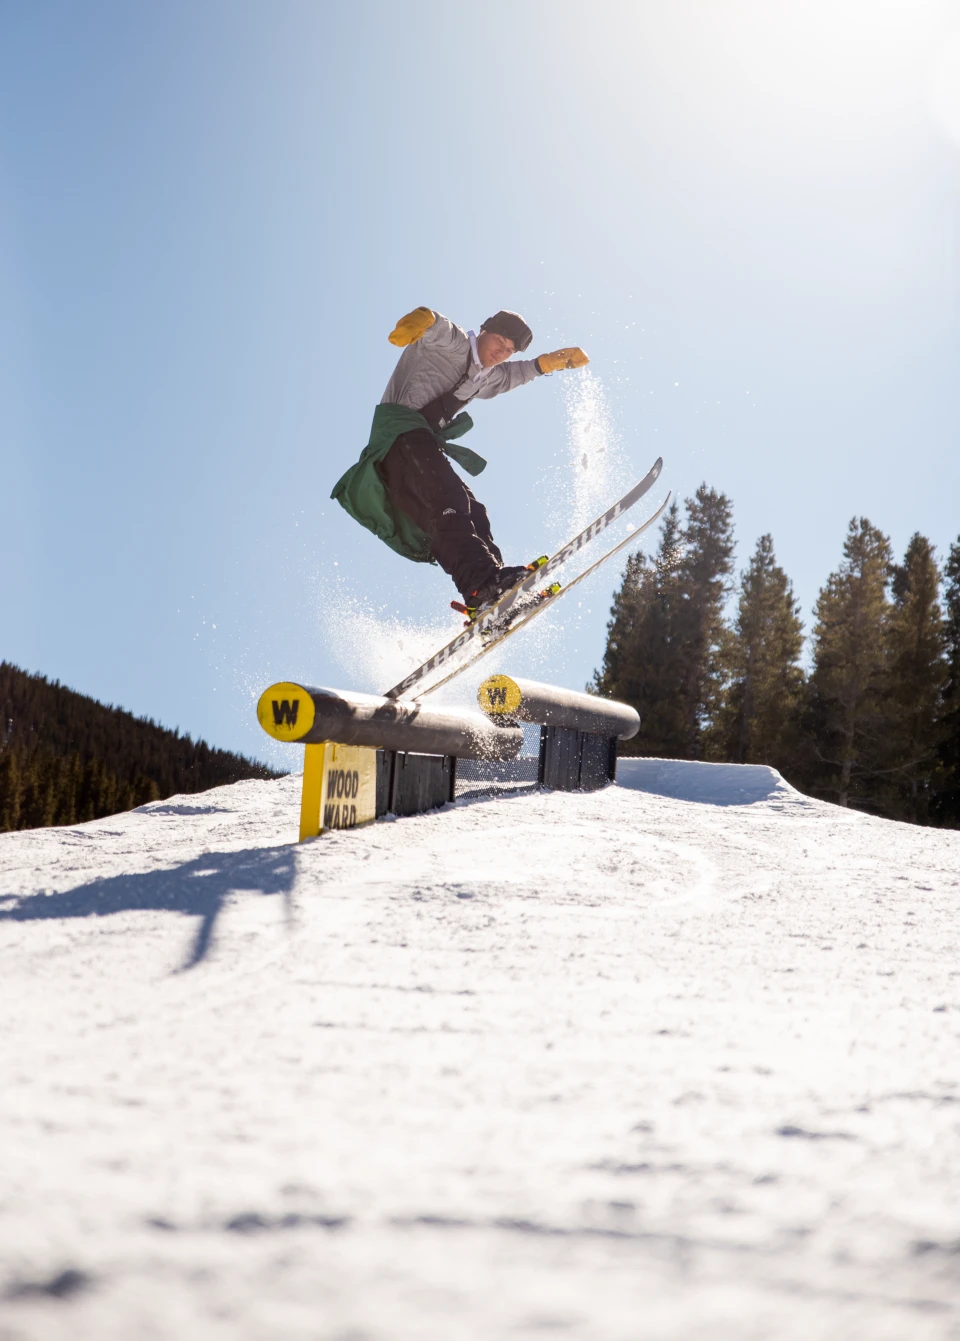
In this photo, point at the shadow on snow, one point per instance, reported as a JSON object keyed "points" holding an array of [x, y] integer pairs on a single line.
{"points": [[198, 888]]}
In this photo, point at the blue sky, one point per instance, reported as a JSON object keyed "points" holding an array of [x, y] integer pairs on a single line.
{"points": [[212, 213]]}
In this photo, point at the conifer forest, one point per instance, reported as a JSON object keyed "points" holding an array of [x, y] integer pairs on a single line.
{"points": [[65, 758], [714, 663]]}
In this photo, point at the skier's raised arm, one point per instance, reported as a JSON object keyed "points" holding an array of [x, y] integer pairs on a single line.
{"points": [[422, 324]]}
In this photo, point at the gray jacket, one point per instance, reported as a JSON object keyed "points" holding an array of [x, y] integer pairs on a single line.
{"points": [[437, 363]]}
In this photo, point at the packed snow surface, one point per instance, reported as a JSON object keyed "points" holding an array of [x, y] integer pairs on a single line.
{"points": [[673, 1060]]}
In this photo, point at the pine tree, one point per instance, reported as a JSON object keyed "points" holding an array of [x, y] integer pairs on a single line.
{"points": [[74, 774], [630, 603], [641, 661], [11, 790], [759, 721], [145, 791], [849, 680], [704, 582], [945, 801], [916, 673], [666, 630]]}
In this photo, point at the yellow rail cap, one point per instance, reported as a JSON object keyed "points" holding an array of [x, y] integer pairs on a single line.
{"points": [[499, 696], [286, 711]]}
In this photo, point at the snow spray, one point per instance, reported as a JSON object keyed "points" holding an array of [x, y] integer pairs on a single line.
{"points": [[596, 470]]}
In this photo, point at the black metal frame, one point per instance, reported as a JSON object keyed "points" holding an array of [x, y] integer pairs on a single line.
{"points": [[569, 761], [572, 761], [408, 784]]}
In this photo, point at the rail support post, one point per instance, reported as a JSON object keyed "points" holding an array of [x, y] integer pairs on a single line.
{"points": [[339, 789], [311, 791]]}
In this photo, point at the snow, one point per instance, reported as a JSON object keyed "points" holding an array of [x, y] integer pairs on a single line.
{"points": [[673, 1060], [713, 784]]}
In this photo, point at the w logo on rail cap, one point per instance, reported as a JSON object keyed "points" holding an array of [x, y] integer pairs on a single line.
{"points": [[499, 696], [286, 711]]}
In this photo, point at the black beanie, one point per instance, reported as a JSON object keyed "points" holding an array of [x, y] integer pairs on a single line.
{"points": [[512, 326]]}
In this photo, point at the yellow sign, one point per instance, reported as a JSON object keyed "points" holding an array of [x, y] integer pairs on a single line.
{"points": [[340, 788], [286, 711], [499, 696]]}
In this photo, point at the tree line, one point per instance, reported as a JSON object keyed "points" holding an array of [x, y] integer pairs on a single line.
{"points": [[873, 722], [65, 758]]}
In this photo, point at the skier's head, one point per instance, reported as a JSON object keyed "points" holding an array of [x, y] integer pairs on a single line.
{"points": [[503, 334]]}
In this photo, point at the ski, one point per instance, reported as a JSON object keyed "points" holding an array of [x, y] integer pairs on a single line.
{"points": [[541, 605], [496, 612]]}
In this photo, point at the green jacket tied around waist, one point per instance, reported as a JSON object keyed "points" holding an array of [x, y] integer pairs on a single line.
{"points": [[361, 492]]}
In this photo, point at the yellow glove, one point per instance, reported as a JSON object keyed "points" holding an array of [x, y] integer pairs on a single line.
{"points": [[410, 328], [562, 358]]}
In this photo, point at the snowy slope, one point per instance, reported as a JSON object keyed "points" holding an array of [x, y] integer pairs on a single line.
{"points": [[673, 1060]]}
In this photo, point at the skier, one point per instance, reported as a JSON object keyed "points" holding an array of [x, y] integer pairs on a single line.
{"points": [[403, 488]]}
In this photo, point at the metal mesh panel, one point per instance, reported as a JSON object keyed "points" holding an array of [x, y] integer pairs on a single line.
{"points": [[479, 777]]}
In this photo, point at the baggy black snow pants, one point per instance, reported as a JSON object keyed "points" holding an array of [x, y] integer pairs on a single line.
{"points": [[422, 483]]}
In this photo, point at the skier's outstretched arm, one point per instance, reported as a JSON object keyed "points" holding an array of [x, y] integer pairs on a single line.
{"points": [[422, 324], [507, 376]]}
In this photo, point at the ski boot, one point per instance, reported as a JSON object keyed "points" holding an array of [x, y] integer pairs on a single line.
{"points": [[499, 585]]}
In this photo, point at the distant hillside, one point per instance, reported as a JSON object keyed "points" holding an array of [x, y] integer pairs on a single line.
{"points": [[65, 758]]}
